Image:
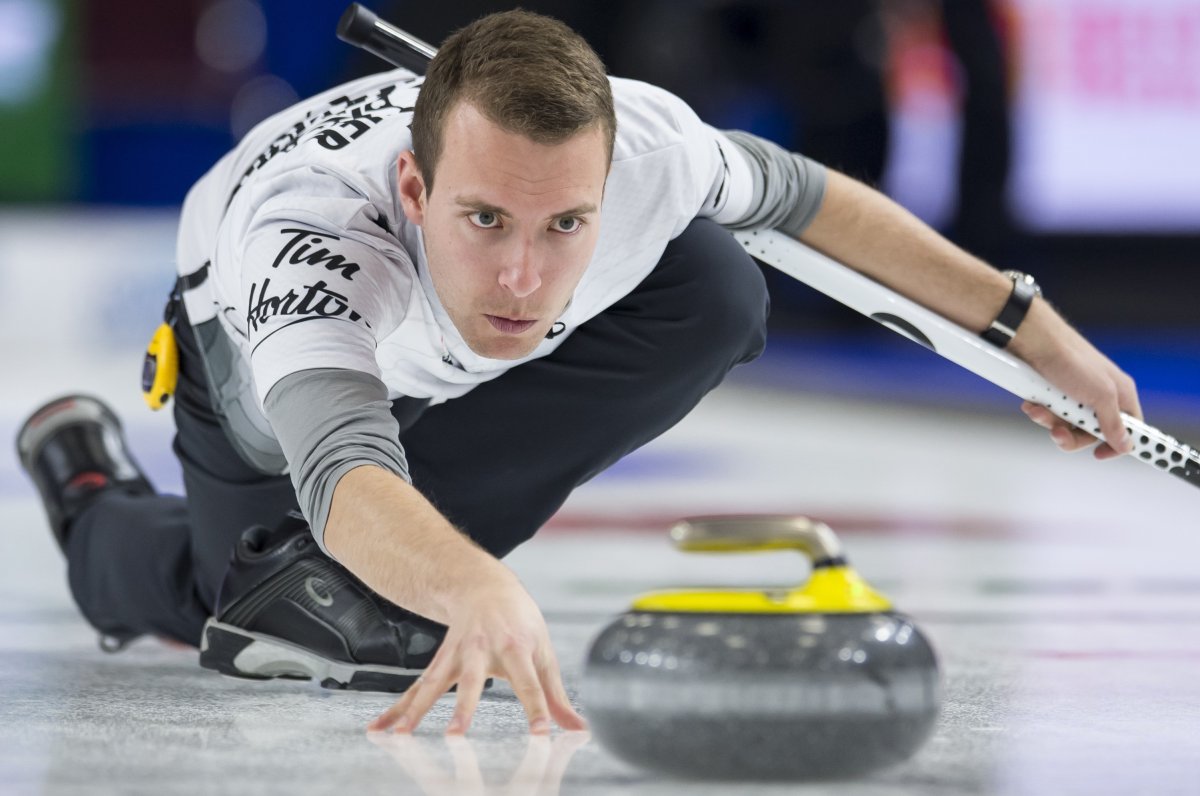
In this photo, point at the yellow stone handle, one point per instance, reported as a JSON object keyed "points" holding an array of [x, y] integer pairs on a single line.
{"points": [[748, 533], [832, 587]]}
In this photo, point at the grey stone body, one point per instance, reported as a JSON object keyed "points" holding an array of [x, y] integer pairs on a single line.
{"points": [[795, 696]]}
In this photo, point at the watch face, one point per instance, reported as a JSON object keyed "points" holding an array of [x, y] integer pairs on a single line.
{"points": [[1026, 278]]}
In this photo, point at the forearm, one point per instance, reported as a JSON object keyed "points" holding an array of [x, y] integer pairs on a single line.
{"points": [[867, 231], [872, 234], [385, 532]]}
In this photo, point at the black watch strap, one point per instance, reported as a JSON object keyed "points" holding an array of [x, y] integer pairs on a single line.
{"points": [[1004, 328]]}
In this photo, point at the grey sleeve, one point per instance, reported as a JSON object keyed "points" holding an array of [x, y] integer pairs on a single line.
{"points": [[329, 421], [788, 188]]}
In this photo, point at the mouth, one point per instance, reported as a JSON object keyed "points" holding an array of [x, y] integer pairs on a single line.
{"points": [[509, 325]]}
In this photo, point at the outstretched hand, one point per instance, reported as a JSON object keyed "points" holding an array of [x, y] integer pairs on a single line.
{"points": [[1079, 370], [498, 632]]}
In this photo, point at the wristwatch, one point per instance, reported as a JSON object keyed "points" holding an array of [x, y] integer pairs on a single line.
{"points": [[1004, 328]]}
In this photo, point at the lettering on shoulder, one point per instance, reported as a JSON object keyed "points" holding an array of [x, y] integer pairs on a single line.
{"points": [[317, 301], [301, 249], [339, 124]]}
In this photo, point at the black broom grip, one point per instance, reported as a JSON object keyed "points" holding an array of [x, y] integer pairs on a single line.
{"points": [[362, 28]]}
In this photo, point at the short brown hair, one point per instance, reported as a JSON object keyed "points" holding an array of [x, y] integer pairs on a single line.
{"points": [[529, 74]]}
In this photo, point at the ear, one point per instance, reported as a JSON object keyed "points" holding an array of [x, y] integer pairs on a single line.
{"points": [[412, 187]]}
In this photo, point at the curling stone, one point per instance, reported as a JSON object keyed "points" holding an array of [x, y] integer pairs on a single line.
{"points": [[822, 681]]}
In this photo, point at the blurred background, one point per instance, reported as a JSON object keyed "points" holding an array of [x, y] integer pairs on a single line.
{"points": [[1058, 137]]}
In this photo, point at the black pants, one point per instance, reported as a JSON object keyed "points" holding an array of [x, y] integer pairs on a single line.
{"points": [[498, 462]]}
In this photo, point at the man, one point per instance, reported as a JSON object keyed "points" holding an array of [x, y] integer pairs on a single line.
{"points": [[438, 335]]}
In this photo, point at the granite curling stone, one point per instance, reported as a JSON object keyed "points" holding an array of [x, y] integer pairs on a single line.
{"points": [[823, 681]]}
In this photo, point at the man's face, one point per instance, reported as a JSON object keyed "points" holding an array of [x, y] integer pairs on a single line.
{"points": [[510, 230]]}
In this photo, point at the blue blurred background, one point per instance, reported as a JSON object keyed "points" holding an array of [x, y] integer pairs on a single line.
{"points": [[1054, 136]]}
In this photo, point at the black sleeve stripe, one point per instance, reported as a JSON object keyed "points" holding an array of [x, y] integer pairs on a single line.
{"points": [[724, 178]]}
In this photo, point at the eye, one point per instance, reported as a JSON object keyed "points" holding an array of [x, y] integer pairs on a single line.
{"points": [[568, 224], [484, 219]]}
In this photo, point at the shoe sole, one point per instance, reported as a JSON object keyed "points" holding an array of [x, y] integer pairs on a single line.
{"points": [[60, 413], [253, 656]]}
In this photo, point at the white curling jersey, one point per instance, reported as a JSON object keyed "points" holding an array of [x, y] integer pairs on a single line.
{"points": [[312, 263]]}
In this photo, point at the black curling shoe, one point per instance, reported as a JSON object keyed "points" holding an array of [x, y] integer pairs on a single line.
{"points": [[287, 610], [74, 450]]}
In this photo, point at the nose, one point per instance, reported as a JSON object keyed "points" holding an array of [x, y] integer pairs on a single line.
{"points": [[521, 274]]}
